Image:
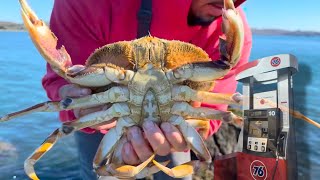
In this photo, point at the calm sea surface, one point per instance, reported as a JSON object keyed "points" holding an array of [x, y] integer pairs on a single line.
{"points": [[21, 69]]}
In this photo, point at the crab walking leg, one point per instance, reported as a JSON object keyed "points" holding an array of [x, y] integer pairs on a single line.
{"points": [[110, 141], [116, 110], [184, 109], [42, 107], [115, 94], [196, 144], [294, 113], [192, 137], [115, 161], [107, 146], [201, 125], [39, 152], [128, 171], [185, 93], [148, 171]]}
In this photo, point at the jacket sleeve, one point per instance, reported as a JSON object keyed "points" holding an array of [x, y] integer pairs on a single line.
{"points": [[228, 84], [80, 31]]}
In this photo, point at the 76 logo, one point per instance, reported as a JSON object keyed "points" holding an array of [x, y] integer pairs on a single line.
{"points": [[258, 170]]}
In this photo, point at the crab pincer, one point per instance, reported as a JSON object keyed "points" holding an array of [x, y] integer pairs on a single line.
{"points": [[45, 40], [232, 41]]}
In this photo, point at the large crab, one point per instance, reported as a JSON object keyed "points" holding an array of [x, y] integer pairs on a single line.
{"points": [[157, 88]]}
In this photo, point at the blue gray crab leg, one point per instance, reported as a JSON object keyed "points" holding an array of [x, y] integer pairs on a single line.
{"points": [[196, 144], [113, 95], [116, 110]]}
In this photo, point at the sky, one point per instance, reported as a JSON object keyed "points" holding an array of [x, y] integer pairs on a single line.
{"points": [[277, 14]]}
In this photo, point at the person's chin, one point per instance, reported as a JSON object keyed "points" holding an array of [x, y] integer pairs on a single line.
{"points": [[198, 21]]}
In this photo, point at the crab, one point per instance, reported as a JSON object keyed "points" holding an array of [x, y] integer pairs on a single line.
{"points": [[165, 76]]}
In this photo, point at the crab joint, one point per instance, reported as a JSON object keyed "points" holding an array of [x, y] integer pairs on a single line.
{"points": [[67, 129], [66, 102]]}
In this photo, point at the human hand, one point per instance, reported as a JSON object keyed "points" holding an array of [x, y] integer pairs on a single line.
{"points": [[153, 139], [75, 91]]}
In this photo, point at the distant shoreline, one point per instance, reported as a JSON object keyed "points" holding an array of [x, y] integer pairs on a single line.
{"points": [[256, 31], [15, 27], [10, 26]]}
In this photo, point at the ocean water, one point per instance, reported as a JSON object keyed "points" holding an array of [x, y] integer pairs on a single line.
{"points": [[21, 69]]}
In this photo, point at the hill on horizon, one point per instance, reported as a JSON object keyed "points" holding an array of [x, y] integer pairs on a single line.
{"points": [[11, 26]]}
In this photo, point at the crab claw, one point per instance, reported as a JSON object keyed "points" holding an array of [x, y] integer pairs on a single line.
{"points": [[45, 40], [232, 41]]}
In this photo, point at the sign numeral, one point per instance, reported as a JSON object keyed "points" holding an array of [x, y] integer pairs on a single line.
{"points": [[272, 113], [258, 171]]}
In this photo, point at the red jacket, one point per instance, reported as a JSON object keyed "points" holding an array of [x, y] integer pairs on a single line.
{"points": [[82, 26]]}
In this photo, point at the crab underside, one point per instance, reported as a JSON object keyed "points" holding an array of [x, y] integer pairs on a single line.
{"points": [[160, 79]]}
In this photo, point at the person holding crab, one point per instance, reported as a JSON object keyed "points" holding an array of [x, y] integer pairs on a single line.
{"points": [[83, 26]]}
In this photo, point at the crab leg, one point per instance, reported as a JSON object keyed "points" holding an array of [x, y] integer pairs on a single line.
{"points": [[148, 171], [42, 107], [39, 152], [110, 142], [185, 93], [107, 146], [116, 110], [115, 161], [186, 110], [128, 171], [201, 125], [115, 94], [196, 143]]}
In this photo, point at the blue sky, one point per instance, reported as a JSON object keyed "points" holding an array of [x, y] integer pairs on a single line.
{"points": [[280, 14]]}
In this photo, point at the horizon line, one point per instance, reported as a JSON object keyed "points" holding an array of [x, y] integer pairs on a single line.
{"points": [[252, 28]]}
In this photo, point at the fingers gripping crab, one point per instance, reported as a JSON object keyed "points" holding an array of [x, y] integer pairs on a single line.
{"points": [[158, 88]]}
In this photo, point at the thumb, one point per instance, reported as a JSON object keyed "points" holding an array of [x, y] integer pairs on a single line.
{"points": [[72, 90]]}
